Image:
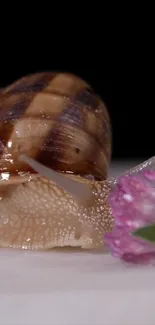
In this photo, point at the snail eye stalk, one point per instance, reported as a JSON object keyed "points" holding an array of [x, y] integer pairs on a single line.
{"points": [[75, 188]]}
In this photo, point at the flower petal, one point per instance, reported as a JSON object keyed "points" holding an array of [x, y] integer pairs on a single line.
{"points": [[132, 201]]}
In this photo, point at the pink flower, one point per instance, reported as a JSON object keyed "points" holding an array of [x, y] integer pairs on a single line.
{"points": [[133, 205]]}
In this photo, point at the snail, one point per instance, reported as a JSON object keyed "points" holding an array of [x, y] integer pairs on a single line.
{"points": [[55, 148]]}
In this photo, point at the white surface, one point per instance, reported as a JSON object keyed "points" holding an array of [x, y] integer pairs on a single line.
{"points": [[74, 288]]}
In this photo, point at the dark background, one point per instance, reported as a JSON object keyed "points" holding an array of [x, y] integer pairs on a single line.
{"points": [[127, 92]]}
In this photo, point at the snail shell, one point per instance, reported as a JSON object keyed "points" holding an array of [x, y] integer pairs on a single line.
{"points": [[55, 148], [58, 120]]}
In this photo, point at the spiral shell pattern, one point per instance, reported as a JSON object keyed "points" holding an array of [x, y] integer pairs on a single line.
{"points": [[57, 119]]}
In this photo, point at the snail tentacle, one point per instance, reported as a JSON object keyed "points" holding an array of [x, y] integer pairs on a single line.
{"points": [[80, 190], [55, 150]]}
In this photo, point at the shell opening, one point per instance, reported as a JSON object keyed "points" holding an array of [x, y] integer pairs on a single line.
{"points": [[75, 188]]}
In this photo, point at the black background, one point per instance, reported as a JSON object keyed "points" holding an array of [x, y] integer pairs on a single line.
{"points": [[112, 49], [127, 92]]}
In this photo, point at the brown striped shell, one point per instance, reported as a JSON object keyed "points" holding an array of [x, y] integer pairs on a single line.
{"points": [[56, 119]]}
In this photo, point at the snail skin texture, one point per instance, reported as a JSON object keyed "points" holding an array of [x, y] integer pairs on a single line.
{"points": [[55, 147]]}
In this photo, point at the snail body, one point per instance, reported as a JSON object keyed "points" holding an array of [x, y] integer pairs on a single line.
{"points": [[55, 147]]}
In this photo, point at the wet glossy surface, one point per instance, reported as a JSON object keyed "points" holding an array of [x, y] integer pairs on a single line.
{"points": [[74, 287]]}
